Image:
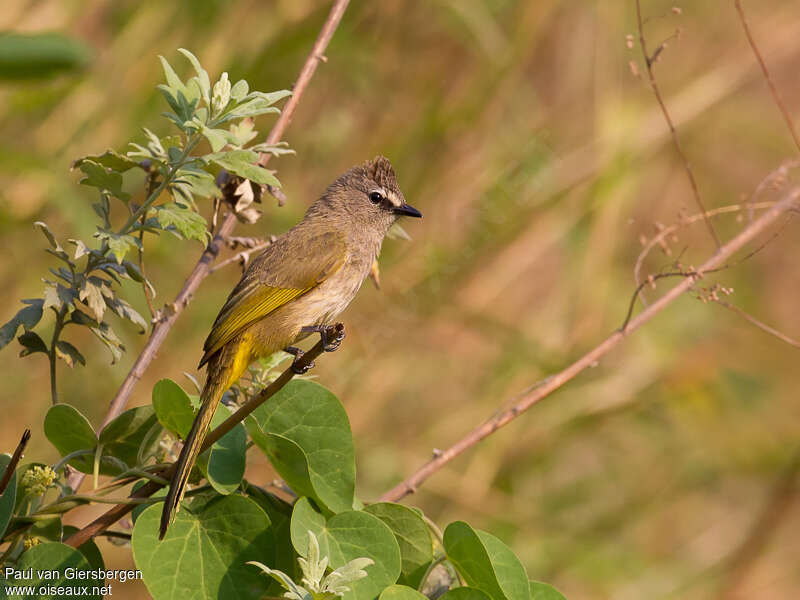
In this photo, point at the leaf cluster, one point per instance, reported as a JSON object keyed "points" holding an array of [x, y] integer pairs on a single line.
{"points": [[83, 288], [229, 530]]}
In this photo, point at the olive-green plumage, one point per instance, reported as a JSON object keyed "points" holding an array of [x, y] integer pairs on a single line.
{"points": [[304, 279]]}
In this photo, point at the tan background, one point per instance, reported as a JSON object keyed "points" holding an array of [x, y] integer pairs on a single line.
{"points": [[539, 161]]}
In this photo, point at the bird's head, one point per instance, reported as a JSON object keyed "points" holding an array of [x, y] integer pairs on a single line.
{"points": [[366, 196]]}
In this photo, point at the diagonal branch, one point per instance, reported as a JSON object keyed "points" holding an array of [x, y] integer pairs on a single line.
{"points": [[649, 60], [148, 489], [590, 359], [773, 90], [761, 325]]}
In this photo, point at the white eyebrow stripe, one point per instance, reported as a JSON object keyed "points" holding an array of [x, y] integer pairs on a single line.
{"points": [[394, 199]]}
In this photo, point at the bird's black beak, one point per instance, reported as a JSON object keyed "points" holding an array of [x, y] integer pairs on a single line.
{"points": [[407, 210]]}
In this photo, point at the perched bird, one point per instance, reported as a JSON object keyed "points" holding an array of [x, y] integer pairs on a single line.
{"points": [[296, 287]]}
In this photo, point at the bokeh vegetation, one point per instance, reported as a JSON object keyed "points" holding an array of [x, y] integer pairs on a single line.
{"points": [[539, 160]]}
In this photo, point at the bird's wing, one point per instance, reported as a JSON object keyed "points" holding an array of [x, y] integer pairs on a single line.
{"points": [[288, 268]]}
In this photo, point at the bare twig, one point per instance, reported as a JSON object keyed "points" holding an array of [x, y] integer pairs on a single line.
{"points": [[242, 257], [591, 358], [665, 232], [763, 326], [773, 90], [145, 288], [15, 458], [148, 489], [649, 61]]}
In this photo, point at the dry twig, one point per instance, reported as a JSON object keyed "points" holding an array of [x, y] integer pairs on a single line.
{"points": [[773, 90], [649, 61], [590, 359]]}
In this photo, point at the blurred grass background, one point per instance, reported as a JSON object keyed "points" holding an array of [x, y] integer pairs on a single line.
{"points": [[539, 161]]}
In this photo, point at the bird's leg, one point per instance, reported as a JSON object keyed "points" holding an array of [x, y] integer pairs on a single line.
{"points": [[331, 335], [298, 354]]}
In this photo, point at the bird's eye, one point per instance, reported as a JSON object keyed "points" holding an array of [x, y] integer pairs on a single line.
{"points": [[375, 197]]}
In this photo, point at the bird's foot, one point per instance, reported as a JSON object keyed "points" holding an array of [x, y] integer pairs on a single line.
{"points": [[297, 368], [331, 336]]}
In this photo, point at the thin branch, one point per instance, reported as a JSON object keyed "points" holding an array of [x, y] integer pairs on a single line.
{"points": [[151, 182], [15, 458], [773, 90], [242, 257], [591, 358], [52, 354], [649, 61], [660, 237], [763, 326], [107, 519]]}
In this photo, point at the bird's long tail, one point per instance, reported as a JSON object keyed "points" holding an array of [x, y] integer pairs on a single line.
{"points": [[216, 384]]}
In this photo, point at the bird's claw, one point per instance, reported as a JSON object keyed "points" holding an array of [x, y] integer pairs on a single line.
{"points": [[332, 336], [296, 366], [299, 369]]}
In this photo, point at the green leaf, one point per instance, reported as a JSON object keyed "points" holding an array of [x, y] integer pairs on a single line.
{"points": [[239, 90], [173, 407], [27, 317], [104, 333], [40, 55], [254, 104], [347, 536], [128, 436], [203, 82], [226, 461], [174, 83], [305, 432], [81, 249], [464, 593], [191, 182], [9, 496], [485, 562], [544, 591], [55, 558], [68, 430], [89, 549], [92, 295], [47, 530], [110, 160], [221, 95], [280, 515], [203, 554], [401, 592], [118, 244], [236, 163], [182, 221], [217, 138], [69, 353], [31, 343], [126, 311], [101, 178], [42, 226], [413, 537]]}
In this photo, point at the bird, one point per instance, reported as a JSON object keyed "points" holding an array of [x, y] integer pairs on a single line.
{"points": [[294, 288]]}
